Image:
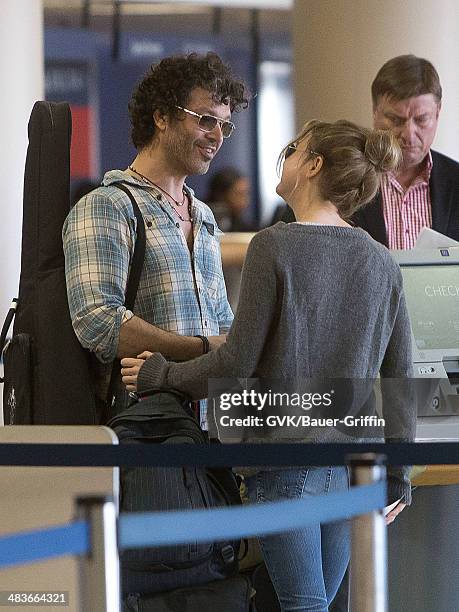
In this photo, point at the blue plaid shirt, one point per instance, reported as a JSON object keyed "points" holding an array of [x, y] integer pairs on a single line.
{"points": [[179, 291]]}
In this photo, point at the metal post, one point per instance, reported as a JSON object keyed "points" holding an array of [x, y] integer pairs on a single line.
{"points": [[86, 14], [368, 572], [116, 30], [99, 569], [255, 85]]}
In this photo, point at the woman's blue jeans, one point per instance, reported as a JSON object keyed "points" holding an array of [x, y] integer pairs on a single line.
{"points": [[307, 566]]}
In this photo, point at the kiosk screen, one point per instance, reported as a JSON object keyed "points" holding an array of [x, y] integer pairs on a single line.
{"points": [[432, 296]]}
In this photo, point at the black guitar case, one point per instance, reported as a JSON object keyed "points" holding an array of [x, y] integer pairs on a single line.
{"points": [[46, 371]]}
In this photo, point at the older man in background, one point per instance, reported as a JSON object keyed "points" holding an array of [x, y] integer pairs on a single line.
{"points": [[424, 192]]}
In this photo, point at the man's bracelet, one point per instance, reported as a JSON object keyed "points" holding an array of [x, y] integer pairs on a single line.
{"points": [[205, 344]]}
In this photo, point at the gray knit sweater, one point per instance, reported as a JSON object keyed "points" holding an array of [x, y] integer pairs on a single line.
{"points": [[315, 302]]}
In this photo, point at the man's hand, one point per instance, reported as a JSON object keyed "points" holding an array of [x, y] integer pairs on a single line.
{"points": [[216, 341], [130, 368], [394, 511]]}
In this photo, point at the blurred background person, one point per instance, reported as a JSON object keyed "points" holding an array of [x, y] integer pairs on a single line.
{"points": [[229, 198]]}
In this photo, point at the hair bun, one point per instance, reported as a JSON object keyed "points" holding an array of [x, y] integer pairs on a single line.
{"points": [[383, 151]]}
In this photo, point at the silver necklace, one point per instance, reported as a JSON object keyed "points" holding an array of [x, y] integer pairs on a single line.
{"points": [[147, 180], [190, 220], [166, 193]]}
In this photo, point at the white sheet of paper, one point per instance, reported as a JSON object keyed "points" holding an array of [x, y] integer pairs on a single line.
{"points": [[430, 239], [387, 509]]}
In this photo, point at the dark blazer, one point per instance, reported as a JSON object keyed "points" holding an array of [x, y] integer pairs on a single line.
{"points": [[444, 196]]}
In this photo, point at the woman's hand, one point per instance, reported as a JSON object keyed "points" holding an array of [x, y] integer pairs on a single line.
{"points": [[130, 368], [393, 511]]}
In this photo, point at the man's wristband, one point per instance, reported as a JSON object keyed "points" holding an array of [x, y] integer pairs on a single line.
{"points": [[205, 344]]}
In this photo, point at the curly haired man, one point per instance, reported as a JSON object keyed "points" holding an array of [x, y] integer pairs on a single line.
{"points": [[180, 113]]}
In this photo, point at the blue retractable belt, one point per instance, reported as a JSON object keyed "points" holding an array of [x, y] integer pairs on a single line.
{"points": [[140, 530], [40, 544]]}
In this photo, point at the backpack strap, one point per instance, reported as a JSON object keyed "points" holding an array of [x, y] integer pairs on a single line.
{"points": [[131, 289], [6, 327], [139, 252]]}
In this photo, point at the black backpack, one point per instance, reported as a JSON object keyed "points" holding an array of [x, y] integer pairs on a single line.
{"points": [[165, 417], [234, 594]]}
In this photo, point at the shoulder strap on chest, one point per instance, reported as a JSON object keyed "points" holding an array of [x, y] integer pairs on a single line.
{"points": [[139, 252]]}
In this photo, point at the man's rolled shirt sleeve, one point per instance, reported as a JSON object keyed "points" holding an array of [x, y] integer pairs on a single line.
{"points": [[97, 244]]}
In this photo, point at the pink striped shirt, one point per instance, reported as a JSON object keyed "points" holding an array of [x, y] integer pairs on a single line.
{"points": [[406, 212]]}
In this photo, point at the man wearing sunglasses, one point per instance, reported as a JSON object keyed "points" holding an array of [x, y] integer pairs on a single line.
{"points": [[180, 114]]}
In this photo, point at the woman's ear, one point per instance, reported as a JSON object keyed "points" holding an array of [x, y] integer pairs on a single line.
{"points": [[315, 165]]}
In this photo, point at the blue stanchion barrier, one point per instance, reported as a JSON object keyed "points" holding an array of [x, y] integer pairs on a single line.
{"points": [[420, 453], [41, 544], [140, 530], [155, 529]]}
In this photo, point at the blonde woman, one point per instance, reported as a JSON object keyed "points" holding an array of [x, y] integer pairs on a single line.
{"points": [[329, 303]]}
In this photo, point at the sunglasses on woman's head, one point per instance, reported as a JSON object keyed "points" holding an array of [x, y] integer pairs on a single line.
{"points": [[290, 149]]}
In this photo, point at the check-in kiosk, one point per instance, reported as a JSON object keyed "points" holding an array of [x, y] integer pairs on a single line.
{"points": [[431, 285], [424, 540]]}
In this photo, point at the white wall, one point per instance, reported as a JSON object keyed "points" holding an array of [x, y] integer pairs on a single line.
{"points": [[22, 82]]}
